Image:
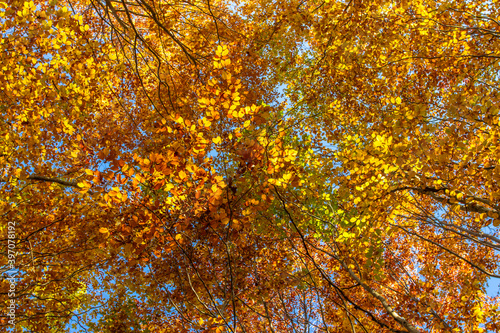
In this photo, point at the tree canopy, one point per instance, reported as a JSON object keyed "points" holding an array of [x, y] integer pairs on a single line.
{"points": [[249, 166]]}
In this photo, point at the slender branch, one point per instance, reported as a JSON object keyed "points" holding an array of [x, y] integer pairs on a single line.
{"points": [[54, 180]]}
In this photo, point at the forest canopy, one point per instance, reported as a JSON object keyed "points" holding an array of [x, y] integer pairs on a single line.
{"points": [[249, 166]]}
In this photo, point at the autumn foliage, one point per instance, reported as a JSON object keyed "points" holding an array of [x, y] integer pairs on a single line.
{"points": [[251, 166]]}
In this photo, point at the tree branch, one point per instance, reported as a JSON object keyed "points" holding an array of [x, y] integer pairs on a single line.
{"points": [[54, 180]]}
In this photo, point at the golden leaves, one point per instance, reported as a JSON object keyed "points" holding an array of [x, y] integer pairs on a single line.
{"points": [[221, 57], [196, 176], [84, 184], [222, 51], [204, 122]]}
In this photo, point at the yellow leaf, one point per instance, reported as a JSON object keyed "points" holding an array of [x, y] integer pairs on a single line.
{"points": [[103, 230], [217, 140]]}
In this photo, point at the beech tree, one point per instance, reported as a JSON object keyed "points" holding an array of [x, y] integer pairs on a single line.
{"points": [[253, 166]]}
